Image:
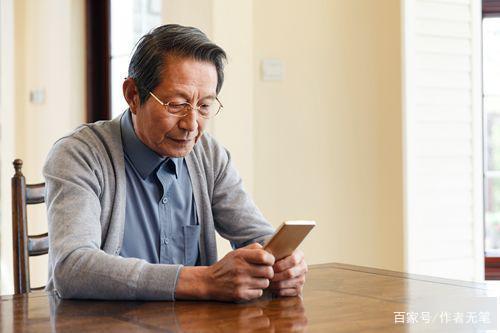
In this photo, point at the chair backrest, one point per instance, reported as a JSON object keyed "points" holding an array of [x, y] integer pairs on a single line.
{"points": [[25, 245]]}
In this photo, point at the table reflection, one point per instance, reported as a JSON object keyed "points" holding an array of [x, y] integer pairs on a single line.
{"points": [[264, 315]]}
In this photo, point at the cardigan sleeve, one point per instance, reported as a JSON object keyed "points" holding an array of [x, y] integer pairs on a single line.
{"points": [[236, 216], [76, 185]]}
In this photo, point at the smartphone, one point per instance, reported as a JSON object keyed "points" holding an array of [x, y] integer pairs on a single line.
{"points": [[288, 237]]}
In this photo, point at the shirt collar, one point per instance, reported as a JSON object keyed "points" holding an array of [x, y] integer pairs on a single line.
{"points": [[144, 160]]}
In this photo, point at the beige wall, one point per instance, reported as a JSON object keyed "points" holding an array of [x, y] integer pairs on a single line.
{"points": [[328, 137], [323, 144], [49, 55], [6, 140], [50, 44]]}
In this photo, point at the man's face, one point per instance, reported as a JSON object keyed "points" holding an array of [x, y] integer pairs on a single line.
{"points": [[183, 80]]}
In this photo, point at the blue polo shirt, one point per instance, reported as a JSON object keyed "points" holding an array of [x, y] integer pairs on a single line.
{"points": [[160, 217]]}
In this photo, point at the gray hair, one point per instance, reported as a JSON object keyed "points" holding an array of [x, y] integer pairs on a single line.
{"points": [[149, 58]]}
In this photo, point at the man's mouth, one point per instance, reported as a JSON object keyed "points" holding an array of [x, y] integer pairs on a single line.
{"points": [[181, 141]]}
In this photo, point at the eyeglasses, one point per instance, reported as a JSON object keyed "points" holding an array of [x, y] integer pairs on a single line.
{"points": [[206, 110]]}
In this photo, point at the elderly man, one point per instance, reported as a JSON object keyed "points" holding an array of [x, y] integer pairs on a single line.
{"points": [[134, 203]]}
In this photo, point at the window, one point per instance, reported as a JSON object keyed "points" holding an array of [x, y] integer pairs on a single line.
{"points": [[491, 113], [443, 139], [113, 28], [491, 106], [130, 20]]}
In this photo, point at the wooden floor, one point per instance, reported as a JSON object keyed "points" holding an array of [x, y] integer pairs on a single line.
{"points": [[337, 298]]}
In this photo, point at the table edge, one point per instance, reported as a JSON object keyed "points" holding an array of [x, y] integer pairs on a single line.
{"points": [[404, 275]]}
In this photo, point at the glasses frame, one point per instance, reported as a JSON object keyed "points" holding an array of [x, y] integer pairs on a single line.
{"points": [[193, 108]]}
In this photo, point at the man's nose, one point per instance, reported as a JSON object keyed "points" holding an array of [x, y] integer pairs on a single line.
{"points": [[190, 121]]}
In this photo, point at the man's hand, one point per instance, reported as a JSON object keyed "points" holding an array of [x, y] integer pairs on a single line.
{"points": [[240, 276], [289, 275]]}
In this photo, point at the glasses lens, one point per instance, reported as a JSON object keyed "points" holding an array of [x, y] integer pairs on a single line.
{"points": [[205, 110], [209, 110], [177, 108]]}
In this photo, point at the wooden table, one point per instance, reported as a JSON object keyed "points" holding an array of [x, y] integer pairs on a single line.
{"points": [[337, 298]]}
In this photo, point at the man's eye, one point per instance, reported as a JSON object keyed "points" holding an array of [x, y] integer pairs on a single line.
{"points": [[176, 107], [205, 109]]}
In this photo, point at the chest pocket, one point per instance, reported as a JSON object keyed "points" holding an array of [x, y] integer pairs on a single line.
{"points": [[191, 243]]}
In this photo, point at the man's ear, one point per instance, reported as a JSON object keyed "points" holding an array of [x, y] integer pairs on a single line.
{"points": [[131, 94]]}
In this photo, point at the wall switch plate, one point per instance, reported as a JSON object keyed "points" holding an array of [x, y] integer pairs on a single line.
{"points": [[37, 96], [272, 70]]}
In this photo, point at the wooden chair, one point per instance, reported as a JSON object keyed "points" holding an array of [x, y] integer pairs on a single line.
{"points": [[24, 245]]}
